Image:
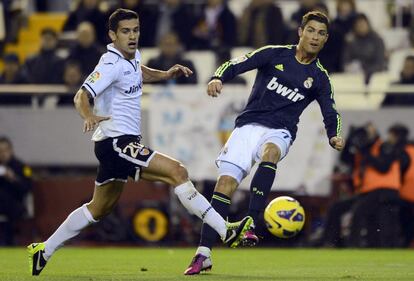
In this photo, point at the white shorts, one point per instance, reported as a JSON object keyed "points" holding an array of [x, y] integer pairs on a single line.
{"points": [[244, 147]]}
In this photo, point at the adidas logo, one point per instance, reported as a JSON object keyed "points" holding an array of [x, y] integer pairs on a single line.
{"points": [[279, 67]]}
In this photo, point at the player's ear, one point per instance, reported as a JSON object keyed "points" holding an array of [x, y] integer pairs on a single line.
{"points": [[112, 35]]}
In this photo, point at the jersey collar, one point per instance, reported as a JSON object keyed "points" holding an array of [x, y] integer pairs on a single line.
{"points": [[294, 54], [112, 49], [134, 62]]}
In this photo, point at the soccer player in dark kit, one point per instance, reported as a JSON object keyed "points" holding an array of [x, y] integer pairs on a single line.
{"points": [[288, 79]]}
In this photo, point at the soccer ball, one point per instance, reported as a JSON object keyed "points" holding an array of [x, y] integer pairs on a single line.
{"points": [[284, 217]]}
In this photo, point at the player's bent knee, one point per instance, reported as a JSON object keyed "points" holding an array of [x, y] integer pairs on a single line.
{"points": [[271, 153], [226, 185], [179, 174]]}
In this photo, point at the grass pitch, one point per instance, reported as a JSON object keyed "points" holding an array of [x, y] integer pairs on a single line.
{"points": [[90, 264]]}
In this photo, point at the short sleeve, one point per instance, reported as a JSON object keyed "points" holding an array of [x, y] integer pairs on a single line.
{"points": [[103, 75]]}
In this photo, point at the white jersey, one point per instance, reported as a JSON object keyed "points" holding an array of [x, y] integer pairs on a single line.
{"points": [[116, 85]]}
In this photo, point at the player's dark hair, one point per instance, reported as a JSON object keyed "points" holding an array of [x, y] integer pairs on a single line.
{"points": [[118, 15], [316, 16]]}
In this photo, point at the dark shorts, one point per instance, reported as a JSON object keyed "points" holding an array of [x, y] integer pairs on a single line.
{"points": [[120, 158]]}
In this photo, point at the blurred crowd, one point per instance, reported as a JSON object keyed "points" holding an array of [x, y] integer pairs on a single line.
{"points": [[374, 190], [177, 26], [15, 191]]}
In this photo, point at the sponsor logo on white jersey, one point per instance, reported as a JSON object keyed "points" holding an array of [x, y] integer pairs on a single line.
{"points": [[132, 89]]}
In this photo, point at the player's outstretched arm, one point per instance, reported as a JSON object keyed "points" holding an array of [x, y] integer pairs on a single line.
{"points": [[153, 75], [214, 87], [337, 142], [81, 101], [178, 70]]}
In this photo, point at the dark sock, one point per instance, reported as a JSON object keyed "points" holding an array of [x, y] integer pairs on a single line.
{"points": [[221, 203], [260, 187]]}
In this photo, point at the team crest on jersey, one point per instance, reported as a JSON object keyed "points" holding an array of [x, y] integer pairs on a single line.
{"points": [[239, 59], [144, 152], [308, 82], [94, 77]]}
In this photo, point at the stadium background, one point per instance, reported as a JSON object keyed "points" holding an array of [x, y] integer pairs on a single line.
{"points": [[46, 133]]}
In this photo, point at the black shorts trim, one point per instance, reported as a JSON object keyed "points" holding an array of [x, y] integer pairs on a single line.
{"points": [[109, 180], [120, 158]]}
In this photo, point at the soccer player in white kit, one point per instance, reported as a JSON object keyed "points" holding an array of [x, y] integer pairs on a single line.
{"points": [[116, 86]]}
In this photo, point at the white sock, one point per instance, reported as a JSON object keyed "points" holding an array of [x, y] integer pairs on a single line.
{"points": [[72, 226], [204, 251], [198, 205]]}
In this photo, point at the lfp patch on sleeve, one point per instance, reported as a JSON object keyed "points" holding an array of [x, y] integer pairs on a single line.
{"points": [[239, 59], [93, 77]]}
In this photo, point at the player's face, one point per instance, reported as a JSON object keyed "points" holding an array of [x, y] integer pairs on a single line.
{"points": [[126, 37], [313, 37]]}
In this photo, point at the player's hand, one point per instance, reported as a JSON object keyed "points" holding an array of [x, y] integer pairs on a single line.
{"points": [[177, 71], [337, 142], [214, 87], [91, 121]]}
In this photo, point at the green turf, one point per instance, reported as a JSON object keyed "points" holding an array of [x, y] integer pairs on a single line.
{"points": [[89, 264]]}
